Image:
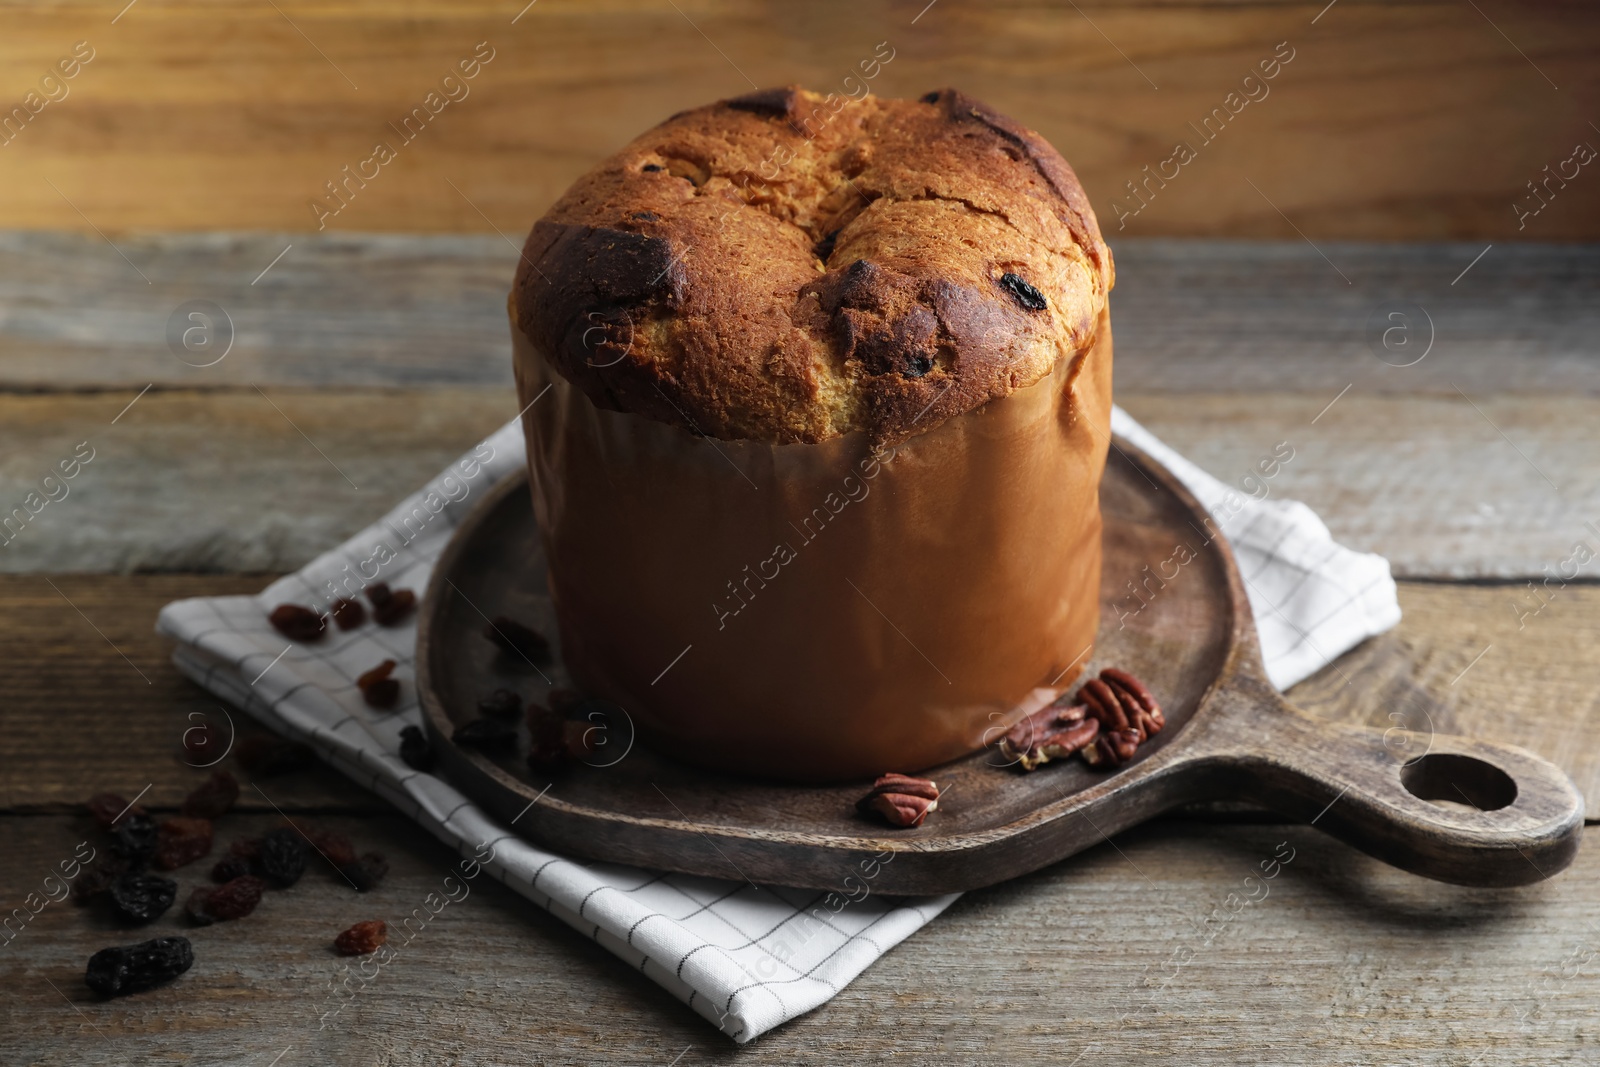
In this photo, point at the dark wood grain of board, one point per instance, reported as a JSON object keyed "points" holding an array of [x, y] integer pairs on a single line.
{"points": [[1508, 817]]}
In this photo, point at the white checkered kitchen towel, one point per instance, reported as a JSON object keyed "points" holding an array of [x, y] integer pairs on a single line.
{"points": [[713, 944]]}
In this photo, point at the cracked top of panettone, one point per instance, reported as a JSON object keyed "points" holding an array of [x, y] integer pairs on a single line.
{"points": [[787, 266]]}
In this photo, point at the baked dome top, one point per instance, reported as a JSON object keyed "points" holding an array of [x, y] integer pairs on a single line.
{"points": [[788, 266]]}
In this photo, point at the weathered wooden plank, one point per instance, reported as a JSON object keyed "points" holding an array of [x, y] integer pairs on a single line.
{"points": [[1190, 316], [1491, 485], [241, 480], [80, 717], [236, 117], [1126, 951], [223, 480], [92, 702]]}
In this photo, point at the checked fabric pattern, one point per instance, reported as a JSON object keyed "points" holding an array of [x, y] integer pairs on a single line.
{"points": [[747, 958]]}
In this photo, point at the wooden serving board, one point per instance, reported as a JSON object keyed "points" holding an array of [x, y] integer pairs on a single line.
{"points": [[1450, 808]]}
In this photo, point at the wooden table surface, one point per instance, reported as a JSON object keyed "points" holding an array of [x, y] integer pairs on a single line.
{"points": [[361, 364]]}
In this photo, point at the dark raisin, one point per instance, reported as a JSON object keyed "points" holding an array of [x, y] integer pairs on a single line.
{"points": [[395, 609], [109, 809], [96, 878], [517, 639], [113, 972], [182, 840], [824, 247], [247, 848], [383, 695], [860, 267], [334, 846], [490, 735], [579, 738], [931, 98], [366, 872], [196, 906], [297, 623], [362, 938], [652, 167], [1026, 295], [265, 755], [501, 704], [233, 899], [390, 606], [547, 739], [917, 366], [200, 742], [377, 688], [213, 797], [142, 898], [348, 613], [415, 750], [282, 859], [230, 867], [135, 839], [564, 701]]}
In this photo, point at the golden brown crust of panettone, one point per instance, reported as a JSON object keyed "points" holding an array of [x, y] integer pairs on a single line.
{"points": [[787, 266]]}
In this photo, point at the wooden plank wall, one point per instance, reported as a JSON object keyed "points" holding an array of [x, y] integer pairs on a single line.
{"points": [[1393, 121]]}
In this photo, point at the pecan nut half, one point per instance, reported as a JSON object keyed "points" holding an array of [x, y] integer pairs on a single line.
{"points": [[900, 799], [1053, 732], [1128, 715], [1111, 749]]}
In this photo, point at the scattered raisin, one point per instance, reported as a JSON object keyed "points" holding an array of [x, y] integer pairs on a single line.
{"points": [[415, 750], [334, 846], [142, 898], [282, 859], [348, 613], [233, 899], [196, 906], [182, 840], [109, 809], [579, 739], [652, 167], [564, 701], [490, 735], [297, 623], [377, 688], [501, 704], [265, 755], [245, 848], [134, 839], [547, 739], [213, 797], [1026, 295], [199, 742], [230, 867], [931, 98], [917, 366], [113, 972], [362, 938], [517, 639], [366, 872], [96, 878], [390, 606], [824, 249]]}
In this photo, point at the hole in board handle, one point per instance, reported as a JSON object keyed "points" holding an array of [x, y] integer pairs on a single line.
{"points": [[1459, 779]]}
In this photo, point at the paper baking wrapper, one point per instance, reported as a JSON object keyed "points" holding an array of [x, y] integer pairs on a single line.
{"points": [[819, 612]]}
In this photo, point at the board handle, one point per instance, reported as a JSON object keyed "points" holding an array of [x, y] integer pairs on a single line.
{"points": [[1507, 817]]}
